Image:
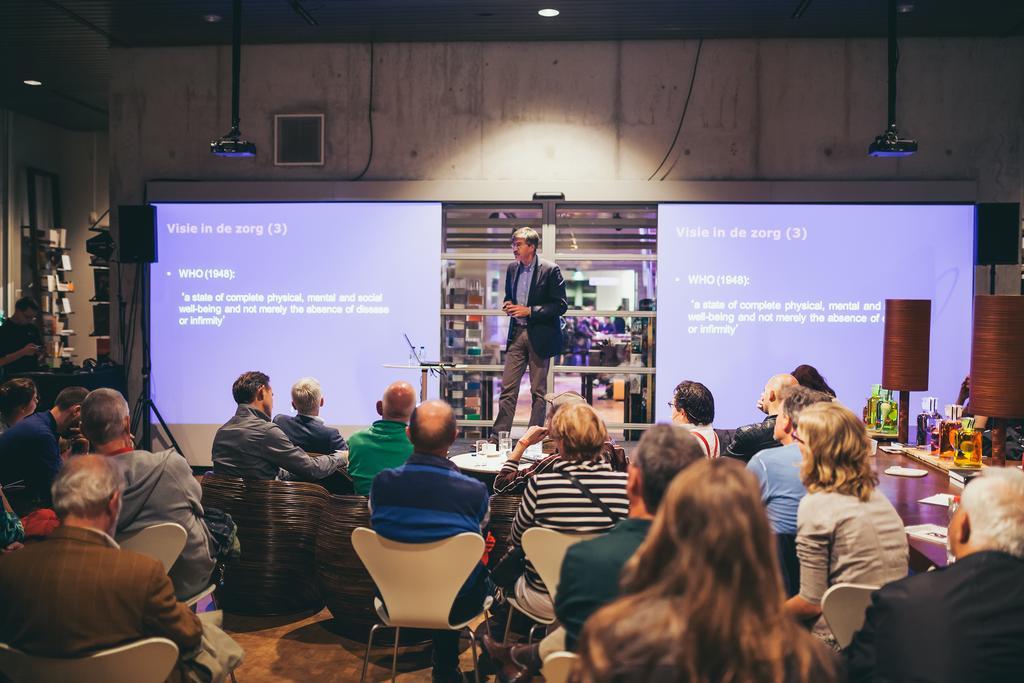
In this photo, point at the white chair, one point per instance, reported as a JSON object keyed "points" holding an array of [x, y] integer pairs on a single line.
{"points": [[163, 542], [144, 661], [419, 583], [545, 549], [558, 666], [194, 600], [844, 606]]}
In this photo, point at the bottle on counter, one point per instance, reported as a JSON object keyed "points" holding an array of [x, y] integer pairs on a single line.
{"points": [[947, 430], [871, 409], [891, 418], [968, 444], [928, 425]]}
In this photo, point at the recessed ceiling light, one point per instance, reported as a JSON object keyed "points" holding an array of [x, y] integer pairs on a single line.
{"points": [[212, 18], [905, 8], [30, 81], [548, 12]]}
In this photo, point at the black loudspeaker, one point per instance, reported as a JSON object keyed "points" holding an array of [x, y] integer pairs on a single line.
{"points": [[136, 234], [998, 234]]}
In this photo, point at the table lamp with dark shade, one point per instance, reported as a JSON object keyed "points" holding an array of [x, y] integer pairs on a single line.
{"points": [[908, 325], [997, 365]]}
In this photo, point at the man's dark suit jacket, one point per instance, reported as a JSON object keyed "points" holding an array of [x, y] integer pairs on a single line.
{"points": [[590, 574], [547, 305], [962, 623], [310, 434], [75, 593]]}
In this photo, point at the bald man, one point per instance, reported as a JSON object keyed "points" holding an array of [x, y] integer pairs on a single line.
{"points": [[753, 438], [385, 444], [427, 499]]}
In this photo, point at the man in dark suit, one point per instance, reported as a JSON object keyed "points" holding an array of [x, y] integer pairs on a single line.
{"points": [[77, 592], [963, 622], [307, 430], [535, 302]]}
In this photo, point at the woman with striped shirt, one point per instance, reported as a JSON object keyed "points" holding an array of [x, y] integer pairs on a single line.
{"points": [[580, 494]]}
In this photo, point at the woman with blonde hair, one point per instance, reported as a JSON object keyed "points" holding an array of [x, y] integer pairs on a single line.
{"points": [[847, 531], [580, 494], [703, 596]]}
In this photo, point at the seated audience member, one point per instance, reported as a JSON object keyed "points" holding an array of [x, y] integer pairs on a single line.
{"points": [[581, 494], [778, 472], [693, 408], [808, 376], [963, 622], [77, 592], [700, 603], [12, 533], [18, 400], [30, 450], [20, 341], [512, 479], [427, 499], [250, 446], [384, 444], [847, 531], [590, 572], [307, 429], [749, 439], [159, 487]]}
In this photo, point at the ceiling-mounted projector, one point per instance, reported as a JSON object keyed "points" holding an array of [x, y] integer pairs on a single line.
{"points": [[890, 144], [232, 145]]}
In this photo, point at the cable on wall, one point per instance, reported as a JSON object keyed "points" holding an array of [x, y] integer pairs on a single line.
{"points": [[682, 117], [369, 119]]}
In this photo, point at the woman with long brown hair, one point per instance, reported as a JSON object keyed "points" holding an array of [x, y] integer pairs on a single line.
{"points": [[847, 530], [703, 597]]}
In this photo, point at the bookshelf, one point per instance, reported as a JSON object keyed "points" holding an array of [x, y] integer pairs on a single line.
{"points": [[51, 266]]}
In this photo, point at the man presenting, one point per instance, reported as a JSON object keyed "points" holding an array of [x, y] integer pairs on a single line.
{"points": [[535, 300]]}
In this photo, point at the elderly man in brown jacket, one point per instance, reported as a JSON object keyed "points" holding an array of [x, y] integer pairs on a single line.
{"points": [[77, 593]]}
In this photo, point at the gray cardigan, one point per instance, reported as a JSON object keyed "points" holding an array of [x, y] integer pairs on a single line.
{"points": [[159, 487]]}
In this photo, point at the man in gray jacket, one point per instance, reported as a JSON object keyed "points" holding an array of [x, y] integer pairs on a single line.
{"points": [[251, 446], [159, 487]]}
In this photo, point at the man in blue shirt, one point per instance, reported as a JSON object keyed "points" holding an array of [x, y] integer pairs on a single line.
{"points": [[427, 499], [30, 450], [778, 472]]}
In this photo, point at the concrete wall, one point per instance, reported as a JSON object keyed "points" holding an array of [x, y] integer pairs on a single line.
{"points": [[774, 109], [81, 162]]}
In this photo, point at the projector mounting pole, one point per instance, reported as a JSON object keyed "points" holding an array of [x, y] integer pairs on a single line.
{"points": [[236, 65], [894, 60]]}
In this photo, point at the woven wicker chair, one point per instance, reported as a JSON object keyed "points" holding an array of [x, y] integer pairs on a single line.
{"points": [[503, 511], [277, 523]]}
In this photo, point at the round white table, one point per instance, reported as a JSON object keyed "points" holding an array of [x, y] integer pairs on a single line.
{"points": [[480, 464], [483, 464]]}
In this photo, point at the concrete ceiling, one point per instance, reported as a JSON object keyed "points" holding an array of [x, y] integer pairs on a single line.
{"points": [[65, 43]]}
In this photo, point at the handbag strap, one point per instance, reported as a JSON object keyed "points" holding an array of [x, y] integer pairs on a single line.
{"points": [[597, 501]]}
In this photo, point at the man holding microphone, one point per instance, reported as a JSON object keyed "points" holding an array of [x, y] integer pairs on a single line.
{"points": [[535, 302]]}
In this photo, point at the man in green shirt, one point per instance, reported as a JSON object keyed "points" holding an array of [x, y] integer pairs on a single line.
{"points": [[591, 569], [384, 444]]}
